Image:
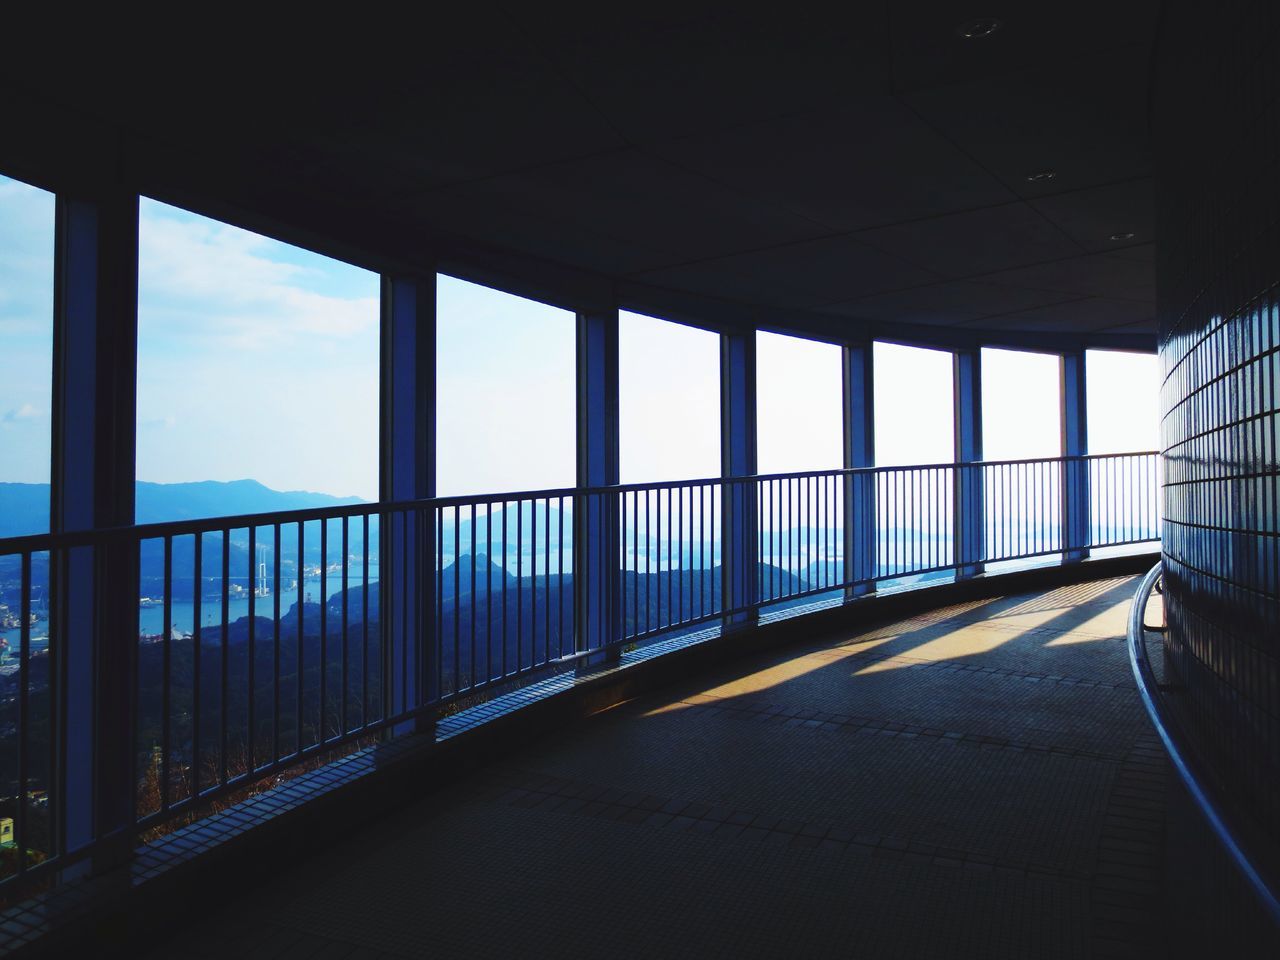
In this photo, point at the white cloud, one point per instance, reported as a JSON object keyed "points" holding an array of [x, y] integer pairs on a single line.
{"points": [[231, 287], [25, 411], [256, 360]]}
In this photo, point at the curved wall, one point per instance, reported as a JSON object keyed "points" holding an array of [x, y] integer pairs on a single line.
{"points": [[1216, 126]]}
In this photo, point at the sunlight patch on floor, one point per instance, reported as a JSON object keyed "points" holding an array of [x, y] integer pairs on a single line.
{"points": [[1110, 624], [1029, 619], [779, 673], [1064, 598], [967, 641], [665, 708]]}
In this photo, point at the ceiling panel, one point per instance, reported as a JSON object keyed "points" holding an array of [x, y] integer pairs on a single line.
{"points": [[671, 70], [976, 242], [1087, 315], [1100, 275], [929, 51], [860, 164], [944, 304], [536, 235], [1091, 217], [646, 200], [1084, 121], [801, 274]]}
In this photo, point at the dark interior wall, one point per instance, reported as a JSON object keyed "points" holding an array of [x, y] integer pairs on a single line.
{"points": [[1216, 124]]}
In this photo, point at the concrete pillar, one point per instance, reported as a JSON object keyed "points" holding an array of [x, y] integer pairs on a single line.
{"points": [[860, 562], [739, 573], [969, 521], [595, 521], [407, 582], [1075, 470], [94, 620]]}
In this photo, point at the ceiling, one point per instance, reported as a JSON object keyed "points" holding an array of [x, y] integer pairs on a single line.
{"points": [[866, 171]]}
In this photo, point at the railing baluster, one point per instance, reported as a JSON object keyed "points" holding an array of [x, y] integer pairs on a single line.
{"points": [[275, 643], [519, 585], [402, 619], [471, 606], [533, 582], [250, 738], [21, 833], [560, 605], [301, 657], [324, 630], [546, 578], [364, 621], [667, 577], [680, 556], [196, 659], [344, 723], [488, 592], [505, 667]]}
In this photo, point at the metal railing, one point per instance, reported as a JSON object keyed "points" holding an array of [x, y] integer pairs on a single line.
{"points": [[1194, 773], [252, 644]]}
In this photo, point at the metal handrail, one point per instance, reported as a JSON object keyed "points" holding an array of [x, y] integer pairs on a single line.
{"points": [[37, 542], [1191, 770]]}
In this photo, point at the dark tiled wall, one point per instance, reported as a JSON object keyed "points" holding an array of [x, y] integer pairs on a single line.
{"points": [[1216, 127]]}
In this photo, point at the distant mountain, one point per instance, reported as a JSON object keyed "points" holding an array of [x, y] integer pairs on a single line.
{"points": [[157, 502], [488, 575], [24, 507]]}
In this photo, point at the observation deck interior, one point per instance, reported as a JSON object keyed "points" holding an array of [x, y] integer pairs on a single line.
{"points": [[912, 751]]}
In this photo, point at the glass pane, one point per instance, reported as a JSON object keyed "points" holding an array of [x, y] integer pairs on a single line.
{"points": [[1021, 405], [26, 356], [257, 372], [669, 400], [913, 400], [505, 391], [1122, 401], [798, 402]]}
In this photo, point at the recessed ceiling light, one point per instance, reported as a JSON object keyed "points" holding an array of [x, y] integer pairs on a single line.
{"points": [[982, 27], [1041, 176], [1121, 236]]}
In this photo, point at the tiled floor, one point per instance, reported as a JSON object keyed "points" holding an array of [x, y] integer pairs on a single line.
{"points": [[976, 781]]}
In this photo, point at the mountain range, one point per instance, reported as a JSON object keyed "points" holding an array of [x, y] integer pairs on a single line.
{"points": [[24, 507]]}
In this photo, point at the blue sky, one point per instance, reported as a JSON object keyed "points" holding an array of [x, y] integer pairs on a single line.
{"points": [[668, 401], [505, 391], [26, 330], [258, 359], [255, 359]]}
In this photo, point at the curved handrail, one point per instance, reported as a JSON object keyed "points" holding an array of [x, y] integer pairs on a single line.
{"points": [[39, 542], [1189, 769]]}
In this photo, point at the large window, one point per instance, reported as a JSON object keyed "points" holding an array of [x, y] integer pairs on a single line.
{"points": [[257, 371], [506, 420], [669, 429], [1021, 420], [505, 392], [1021, 405], [257, 391], [913, 400], [26, 356], [1122, 406], [799, 401], [669, 400], [799, 428], [26, 394], [915, 424], [1122, 401]]}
